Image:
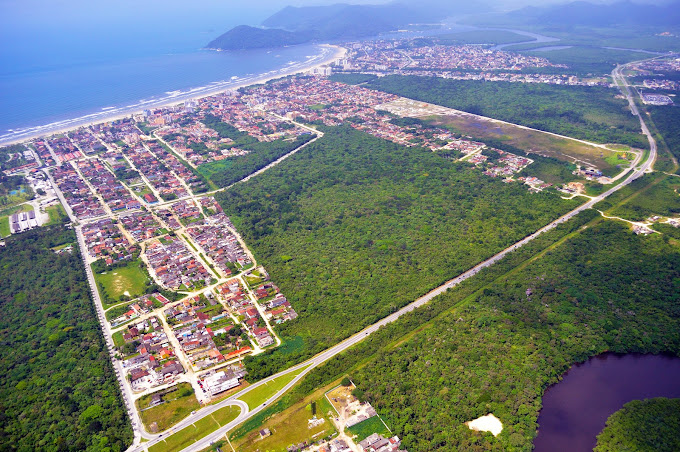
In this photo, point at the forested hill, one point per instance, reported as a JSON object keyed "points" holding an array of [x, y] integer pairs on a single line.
{"points": [[245, 37], [296, 25], [58, 390]]}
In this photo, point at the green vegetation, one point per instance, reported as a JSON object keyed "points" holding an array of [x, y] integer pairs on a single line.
{"points": [[553, 156], [259, 395], [130, 281], [481, 37], [585, 112], [364, 429], [228, 171], [583, 60], [505, 344], [197, 430], [652, 194], [4, 226], [353, 79], [330, 374], [117, 311], [118, 340], [594, 38], [354, 227], [288, 426], [499, 348], [57, 215], [58, 390], [12, 156], [666, 120], [5, 215], [642, 425], [178, 403]]}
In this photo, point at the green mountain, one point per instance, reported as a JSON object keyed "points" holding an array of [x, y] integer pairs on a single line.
{"points": [[244, 37], [297, 25]]}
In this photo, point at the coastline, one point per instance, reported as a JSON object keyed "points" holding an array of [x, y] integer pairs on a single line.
{"points": [[330, 53]]}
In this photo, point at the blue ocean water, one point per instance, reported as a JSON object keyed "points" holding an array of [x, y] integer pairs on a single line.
{"points": [[82, 62]]}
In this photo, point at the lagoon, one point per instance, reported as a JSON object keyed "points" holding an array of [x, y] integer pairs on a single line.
{"points": [[575, 409]]}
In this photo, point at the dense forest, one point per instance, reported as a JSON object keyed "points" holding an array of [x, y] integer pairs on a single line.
{"points": [[354, 227], [585, 112], [226, 172], [666, 120], [605, 289], [651, 425], [58, 390]]}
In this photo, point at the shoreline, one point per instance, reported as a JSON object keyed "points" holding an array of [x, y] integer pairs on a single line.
{"points": [[330, 53]]}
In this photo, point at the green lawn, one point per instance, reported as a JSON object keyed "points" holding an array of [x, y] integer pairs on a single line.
{"points": [[261, 394], [4, 226], [197, 430], [130, 280], [619, 159], [178, 404], [6, 213], [292, 427], [118, 340], [56, 213], [368, 427]]}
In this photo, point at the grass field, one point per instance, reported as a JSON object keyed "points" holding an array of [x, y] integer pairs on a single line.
{"points": [[533, 141], [260, 395], [129, 280], [6, 213], [56, 213], [4, 226], [292, 429], [179, 403], [288, 426], [368, 427], [197, 430], [118, 340]]}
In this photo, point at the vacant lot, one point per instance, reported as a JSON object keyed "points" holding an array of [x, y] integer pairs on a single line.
{"points": [[652, 194], [592, 113], [532, 141], [366, 428], [260, 394], [290, 426], [178, 404], [197, 430], [129, 280]]}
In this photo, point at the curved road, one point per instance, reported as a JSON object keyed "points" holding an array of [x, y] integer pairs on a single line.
{"points": [[353, 340]]}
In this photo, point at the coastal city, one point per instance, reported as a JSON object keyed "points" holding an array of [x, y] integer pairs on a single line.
{"points": [[181, 297]]}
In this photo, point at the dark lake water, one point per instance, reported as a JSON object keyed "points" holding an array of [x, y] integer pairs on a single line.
{"points": [[575, 410]]}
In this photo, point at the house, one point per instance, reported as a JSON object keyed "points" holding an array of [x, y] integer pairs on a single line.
{"points": [[156, 400]]}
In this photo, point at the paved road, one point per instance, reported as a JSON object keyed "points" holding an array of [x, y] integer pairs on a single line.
{"points": [[126, 392], [358, 337]]}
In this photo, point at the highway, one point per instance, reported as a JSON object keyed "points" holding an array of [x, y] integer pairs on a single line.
{"points": [[358, 337]]}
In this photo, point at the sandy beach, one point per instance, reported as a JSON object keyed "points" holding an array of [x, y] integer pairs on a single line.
{"points": [[330, 54]]}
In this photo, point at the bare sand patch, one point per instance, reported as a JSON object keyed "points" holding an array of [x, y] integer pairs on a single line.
{"points": [[488, 423]]}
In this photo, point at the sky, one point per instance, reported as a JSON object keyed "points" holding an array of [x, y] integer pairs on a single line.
{"points": [[179, 25]]}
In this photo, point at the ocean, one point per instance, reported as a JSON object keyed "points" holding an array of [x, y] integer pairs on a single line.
{"points": [[57, 73]]}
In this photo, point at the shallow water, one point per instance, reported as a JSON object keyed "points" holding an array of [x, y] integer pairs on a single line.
{"points": [[575, 409]]}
